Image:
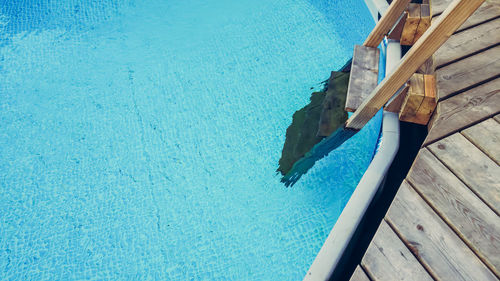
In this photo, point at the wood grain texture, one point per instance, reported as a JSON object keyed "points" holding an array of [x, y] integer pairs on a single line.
{"points": [[436, 246], [486, 136], [464, 109], [463, 211], [497, 117], [432, 39], [424, 23], [385, 24], [364, 76], [413, 99], [411, 24], [428, 104], [479, 172], [359, 275], [489, 10], [467, 72], [468, 42], [387, 258]]}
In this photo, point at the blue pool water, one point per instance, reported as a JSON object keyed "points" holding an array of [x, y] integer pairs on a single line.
{"points": [[139, 139]]}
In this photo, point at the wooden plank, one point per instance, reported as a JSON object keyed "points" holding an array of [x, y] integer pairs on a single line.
{"points": [[468, 42], [424, 23], [387, 258], [432, 39], [489, 10], [462, 110], [486, 136], [411, 24], [386, 23], [359, 275], [497, 117], [478, 172], [414, 98], [364, 76], [467, 72], [436, 246], [465, 213]]}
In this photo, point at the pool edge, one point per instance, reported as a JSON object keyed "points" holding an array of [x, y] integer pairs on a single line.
{"points": [[350, 219]]}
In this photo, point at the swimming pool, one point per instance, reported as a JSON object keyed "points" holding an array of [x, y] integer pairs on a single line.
{"points": [[140, 139]]}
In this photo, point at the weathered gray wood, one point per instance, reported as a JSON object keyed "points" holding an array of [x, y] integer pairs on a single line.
{"points": [[387, 258], [437, 247], [464, 109], [497, 117], [468, 42], [489, 10], [472, 166], [364, 76], [467, 72], [486, 136], [359, 275], [465, 213]]}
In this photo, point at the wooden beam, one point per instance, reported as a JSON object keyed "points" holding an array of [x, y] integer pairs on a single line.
{"points": [[414, 99], [423, 113], [432, 39], [429, 103], [411, 24], [424, 23], [386, 23]]}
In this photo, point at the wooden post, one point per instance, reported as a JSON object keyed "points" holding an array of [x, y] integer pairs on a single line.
{"points": [[420, 102], [451, 19], [411, 24], [424, 23], [386, 23]]}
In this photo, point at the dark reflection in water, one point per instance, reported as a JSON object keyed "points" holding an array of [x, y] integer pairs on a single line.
{"points": [[307, 138]]}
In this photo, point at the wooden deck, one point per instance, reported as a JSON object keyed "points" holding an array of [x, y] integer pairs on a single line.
{"points": [[444, 222]]}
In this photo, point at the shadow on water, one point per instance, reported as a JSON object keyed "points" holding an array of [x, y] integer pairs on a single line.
{"points": [[316, 129]]}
